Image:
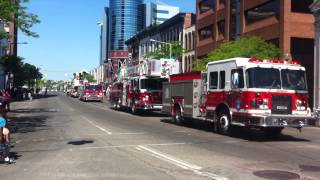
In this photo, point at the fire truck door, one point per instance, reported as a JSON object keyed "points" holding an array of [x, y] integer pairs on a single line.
{"points": [[237, 83]]}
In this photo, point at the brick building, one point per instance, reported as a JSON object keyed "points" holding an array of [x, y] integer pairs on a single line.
{"points": [[286, 23]]}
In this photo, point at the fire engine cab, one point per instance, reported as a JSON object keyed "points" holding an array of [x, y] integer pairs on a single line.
{"points": [[90, 91], [139, 87], [247, 92]]}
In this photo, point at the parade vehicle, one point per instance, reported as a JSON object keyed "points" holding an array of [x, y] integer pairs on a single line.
{"points": [[91, 92], [247, 92], [139, 87]]}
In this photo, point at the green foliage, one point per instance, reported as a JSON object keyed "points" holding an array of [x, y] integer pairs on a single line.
{"points": [[14, 11], [164, 51], [22, 72], [89, 78], [249, 47]]}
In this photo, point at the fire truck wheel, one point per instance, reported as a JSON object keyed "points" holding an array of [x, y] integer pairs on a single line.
{"points": [[114, 104], [178, 119], [223, 123], [134, 109]]}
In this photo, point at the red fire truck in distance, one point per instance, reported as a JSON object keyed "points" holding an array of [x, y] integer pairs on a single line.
{"points": [[255, 93], [141, 86], [90, 92]]}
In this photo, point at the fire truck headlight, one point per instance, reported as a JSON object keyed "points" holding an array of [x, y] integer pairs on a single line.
{"points": [[298, 102], [146, 98], [300, 105], [263, 104]]}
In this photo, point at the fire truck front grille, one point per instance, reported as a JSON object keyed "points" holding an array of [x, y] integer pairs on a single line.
{"points": [[156, 96], [281, 105]]}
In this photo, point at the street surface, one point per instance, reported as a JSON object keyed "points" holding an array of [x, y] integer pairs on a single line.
{"points": [[60, 137]]}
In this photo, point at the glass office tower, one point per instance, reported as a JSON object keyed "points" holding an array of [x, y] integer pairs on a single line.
{"points": [[126, 20]]}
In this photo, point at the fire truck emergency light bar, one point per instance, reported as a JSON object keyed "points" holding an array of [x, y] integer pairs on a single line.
{"points": [[259, 60]]}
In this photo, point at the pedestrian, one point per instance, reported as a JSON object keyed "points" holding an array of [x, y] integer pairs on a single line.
{"points": [[4, 138], [30, 95]]}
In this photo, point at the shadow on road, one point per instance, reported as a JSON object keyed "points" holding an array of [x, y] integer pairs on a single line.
{"points": [[42, 96], [28, 124], [80, 142], [33, 110], [238, 132]]}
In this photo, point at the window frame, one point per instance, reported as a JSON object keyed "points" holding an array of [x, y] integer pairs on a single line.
{"points": [[211, 85]]}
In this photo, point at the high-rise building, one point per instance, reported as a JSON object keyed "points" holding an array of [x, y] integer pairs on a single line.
{"points": [[125, 21], [158, 13], [104, 36]]}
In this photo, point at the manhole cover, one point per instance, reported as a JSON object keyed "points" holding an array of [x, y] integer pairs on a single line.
{"points": [[274, 174], [310, 168]]}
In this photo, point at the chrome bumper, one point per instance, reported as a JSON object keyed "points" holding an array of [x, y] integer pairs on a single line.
{"points": [[151, 107], [293, 121]]}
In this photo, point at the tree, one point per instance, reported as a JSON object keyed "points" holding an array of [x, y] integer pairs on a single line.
{"points": [[31, 73], [164, 51], [22, 72], [89, 77], [248, 47], [14, 11]]}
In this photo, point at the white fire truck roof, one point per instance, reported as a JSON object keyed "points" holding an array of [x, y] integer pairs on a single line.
{"points": [[254, 62]]}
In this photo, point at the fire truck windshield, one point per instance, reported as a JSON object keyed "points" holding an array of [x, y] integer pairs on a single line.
{"points": [[263, 78], [293, 79], [269, 78], [151, 84], [92, 87]]}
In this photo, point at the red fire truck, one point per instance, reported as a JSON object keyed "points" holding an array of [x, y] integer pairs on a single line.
{"points": [[140, 87], [255, 93], [90, 92]]}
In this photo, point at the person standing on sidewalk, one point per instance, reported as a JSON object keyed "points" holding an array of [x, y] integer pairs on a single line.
{"points": [[4, 138]]}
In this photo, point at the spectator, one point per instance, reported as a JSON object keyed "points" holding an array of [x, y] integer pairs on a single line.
{"points": [[4, 137]]}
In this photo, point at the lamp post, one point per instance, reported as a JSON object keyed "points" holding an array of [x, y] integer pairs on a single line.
{"points": [[170, 46]]}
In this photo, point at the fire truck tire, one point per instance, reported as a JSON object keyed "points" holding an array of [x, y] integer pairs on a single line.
{"points": [[223, 125], [114, 105], [272, 132], [134, 109], [178, 118]]}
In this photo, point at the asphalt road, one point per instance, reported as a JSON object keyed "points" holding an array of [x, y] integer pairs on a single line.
{"points": [[60, 137]]}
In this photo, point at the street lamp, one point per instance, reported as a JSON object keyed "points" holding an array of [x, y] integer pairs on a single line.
{"points": [[170, 46]]}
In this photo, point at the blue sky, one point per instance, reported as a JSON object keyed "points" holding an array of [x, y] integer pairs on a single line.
{"points": [[69, 35]]}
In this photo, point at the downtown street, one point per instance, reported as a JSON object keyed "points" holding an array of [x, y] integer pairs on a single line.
{"points": [[59, 137]]}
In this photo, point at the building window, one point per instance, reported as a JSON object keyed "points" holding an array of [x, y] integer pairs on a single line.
{"points": [[161, 11], [275, 42], [193, 40], [205, 33], [206, 5], [235, 19], [222, 3], [222, 79], [162, 19], [189, 41], [213, 80], [264, 11], [221, 29], [299, 6]]}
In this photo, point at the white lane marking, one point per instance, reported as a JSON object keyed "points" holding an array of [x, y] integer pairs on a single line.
{"points": [[137, 133], [169, 158], [95, 125], [182, 164], [129, 145]]}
